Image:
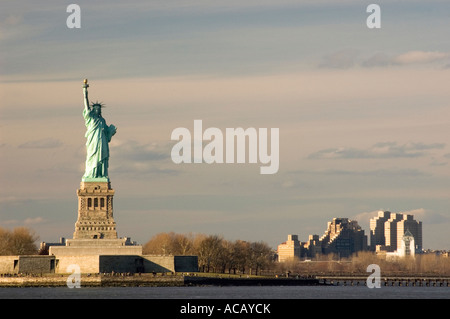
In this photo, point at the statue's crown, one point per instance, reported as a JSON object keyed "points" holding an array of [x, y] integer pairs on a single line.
{"points": [[98, 104]]}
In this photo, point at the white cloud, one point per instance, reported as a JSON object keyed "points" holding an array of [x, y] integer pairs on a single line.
{"points": [[408, 58], [378, 150], [363, 218], [343, 59], [33, 221], [420, 57], [141, 159], [348, 58], [427, 216], [26, 221], [399, 172], [42, 143]]}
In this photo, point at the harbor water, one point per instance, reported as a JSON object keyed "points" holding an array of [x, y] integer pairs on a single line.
{"points": [[228, 292]]}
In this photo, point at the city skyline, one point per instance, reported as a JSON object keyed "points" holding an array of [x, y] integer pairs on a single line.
{"points": [[363, 114]]}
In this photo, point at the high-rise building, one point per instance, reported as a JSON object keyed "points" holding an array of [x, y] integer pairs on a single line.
{"points": [[313, 247], [290, 249], [343, 237], [377, 229], [388, 229], [415, 229]]}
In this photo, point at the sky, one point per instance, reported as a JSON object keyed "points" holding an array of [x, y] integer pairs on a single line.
{"points": [[363, 113]]}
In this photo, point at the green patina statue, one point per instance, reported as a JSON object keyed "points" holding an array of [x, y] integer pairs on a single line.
{"points": [[98, 135]]}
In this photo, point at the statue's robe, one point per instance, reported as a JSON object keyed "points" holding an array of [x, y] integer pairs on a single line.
{"points": [[98, 135]]}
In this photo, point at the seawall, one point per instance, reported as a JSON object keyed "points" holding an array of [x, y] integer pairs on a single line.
{"points": [[259, 281], [149, 280], [166, 280]]}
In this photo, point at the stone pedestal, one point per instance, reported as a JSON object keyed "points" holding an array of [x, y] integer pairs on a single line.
{"points": [[87, 247], [95, 212], [95, 230]]}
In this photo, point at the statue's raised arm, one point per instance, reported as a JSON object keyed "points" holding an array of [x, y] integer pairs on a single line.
{"points": [[85, 93]]}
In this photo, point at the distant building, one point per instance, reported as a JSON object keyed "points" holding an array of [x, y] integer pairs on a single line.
{"points": [[290, 249], [415, 229], [377, 229], [406, 248], [388, 229], [313, 247], [343, 237], [44, 247]]}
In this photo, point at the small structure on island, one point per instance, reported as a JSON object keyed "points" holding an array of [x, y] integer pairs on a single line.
{"points": [[407, 247], [95, 246]]}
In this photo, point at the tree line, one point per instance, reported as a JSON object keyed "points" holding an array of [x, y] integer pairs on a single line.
{"points": [[19, 241], [215, 254], [421, 264]]}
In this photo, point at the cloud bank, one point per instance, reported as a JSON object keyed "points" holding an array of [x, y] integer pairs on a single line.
{"points": [[378, 150], [349, 58]]}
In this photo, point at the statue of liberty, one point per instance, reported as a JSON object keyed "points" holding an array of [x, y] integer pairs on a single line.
{"points": [[98, 135]]}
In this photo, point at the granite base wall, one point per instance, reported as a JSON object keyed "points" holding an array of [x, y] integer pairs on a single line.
{"points": [[186, 263], [148, 264], [95, 251], [97, 264], [25, 264], [7, 264], [87, 264]]}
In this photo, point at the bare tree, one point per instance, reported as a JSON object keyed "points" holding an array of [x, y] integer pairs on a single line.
{"points": [[5, 239], [260, 256], [240, 252], [210, 252], [19, 241], [160, 244], [184, 244]]}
